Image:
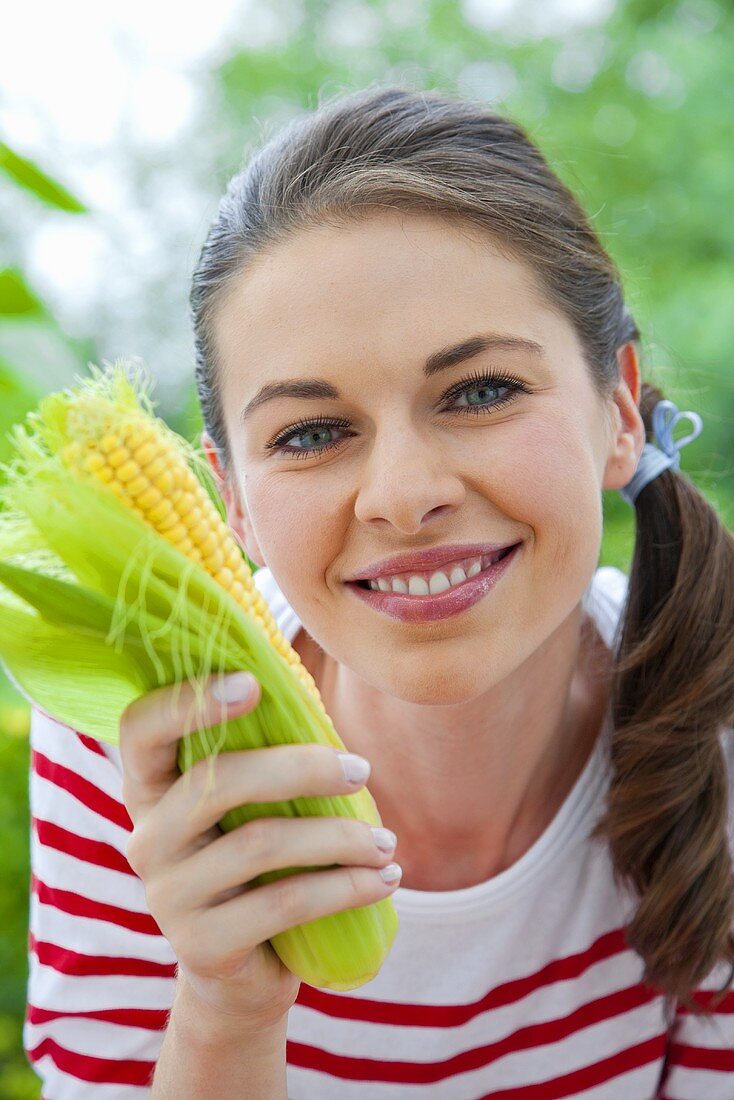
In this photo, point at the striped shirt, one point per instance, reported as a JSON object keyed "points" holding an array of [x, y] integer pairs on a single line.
{"points": [[522, 987]]}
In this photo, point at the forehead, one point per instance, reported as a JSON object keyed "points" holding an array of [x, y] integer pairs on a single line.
{"points": [[370, 288]]}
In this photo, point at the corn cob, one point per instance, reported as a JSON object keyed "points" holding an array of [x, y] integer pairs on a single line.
{"points": [[102, 434], [146, 466]]}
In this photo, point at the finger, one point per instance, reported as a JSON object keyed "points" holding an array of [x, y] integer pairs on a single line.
{"points": [[198, 800], [271, 844], [151, 727], [226, 934]]}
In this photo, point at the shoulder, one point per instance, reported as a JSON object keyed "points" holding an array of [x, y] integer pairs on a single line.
{"points": [[604, 599], [288, 622]]}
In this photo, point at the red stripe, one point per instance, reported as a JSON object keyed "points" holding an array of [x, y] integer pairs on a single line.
{"points": [[85, 739], [590, 1076], [705, 997], [85, 1067], [73, 963], [81, 847], [721, 1060], [79, 906], [81, 789], [150, 1019], [415, 1015], [556, 1088], [522, 1039], [90, 743]]}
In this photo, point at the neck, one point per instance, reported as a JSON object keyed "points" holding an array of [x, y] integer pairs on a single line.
{"points": [[468, 788]]}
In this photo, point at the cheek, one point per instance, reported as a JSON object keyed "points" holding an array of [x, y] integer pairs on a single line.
{"points": [[553, 472], [550, 488], [292, 527], [548, 482]]}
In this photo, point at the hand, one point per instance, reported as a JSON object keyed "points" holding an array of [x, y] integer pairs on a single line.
{"points": [[198, 880]]}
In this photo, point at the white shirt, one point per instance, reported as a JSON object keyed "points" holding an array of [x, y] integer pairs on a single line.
{"points": [[519, 988]]}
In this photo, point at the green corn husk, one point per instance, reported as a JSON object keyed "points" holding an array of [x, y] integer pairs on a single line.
{"points": [[97, 608]]}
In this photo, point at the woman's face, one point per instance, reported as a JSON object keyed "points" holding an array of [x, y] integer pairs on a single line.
{"points": [[405, 466]]}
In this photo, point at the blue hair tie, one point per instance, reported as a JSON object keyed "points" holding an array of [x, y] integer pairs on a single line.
{"points": [[654, 460]]}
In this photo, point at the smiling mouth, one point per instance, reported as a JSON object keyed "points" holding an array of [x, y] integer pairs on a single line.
{"points": [[366, 584]]}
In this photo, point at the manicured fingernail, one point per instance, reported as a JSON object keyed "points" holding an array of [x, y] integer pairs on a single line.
{"points": [[356, 768], [385, 839], [391, 873], [235, 688]]}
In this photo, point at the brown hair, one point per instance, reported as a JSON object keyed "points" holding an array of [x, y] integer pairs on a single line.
{"points": [[672, 683]]}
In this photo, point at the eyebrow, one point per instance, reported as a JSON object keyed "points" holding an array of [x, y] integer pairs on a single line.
{"points": [[315, 388]]}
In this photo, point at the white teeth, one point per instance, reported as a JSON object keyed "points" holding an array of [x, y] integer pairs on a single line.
{"points": [[417, 586], [437, 582]]}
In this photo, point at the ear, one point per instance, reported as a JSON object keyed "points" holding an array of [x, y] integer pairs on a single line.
{"points": [[238, 520], [628, 428]]}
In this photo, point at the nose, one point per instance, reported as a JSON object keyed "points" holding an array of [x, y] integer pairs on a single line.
{"points": [[406, 481]]}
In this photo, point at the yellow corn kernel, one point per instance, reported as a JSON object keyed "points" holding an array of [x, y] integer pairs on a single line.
{"points": [[168, 522], [128, 471], [215, 560], [109, 443], [165, 481], [145, 454], [135, 456], [106, 474], [160, 511], [93, 462], [137, 486], [118, 456], [186, 546], [135, 437], [156, 467], [149, 496], [178, 533], [185, 504]]}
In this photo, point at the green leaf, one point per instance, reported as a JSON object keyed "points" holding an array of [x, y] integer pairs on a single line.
{"points": [[153, 642], [75, 679], [79, 609], [31, 178], [16, 297]]}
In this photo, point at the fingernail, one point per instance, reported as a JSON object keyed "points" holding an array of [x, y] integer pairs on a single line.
{"points": [[356, 768], [235, 688], [385, 839], [391, 873]]}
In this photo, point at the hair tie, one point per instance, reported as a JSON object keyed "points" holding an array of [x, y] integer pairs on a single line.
{"points": [[654, 460]]}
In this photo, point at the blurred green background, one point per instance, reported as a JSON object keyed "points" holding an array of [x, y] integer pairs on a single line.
{"points": [[632, 102]]}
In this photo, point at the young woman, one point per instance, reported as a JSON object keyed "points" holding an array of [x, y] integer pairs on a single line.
{"points": [[418, 373]]}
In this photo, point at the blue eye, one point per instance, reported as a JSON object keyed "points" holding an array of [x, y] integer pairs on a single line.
{"points": [[483, 382], [318, 426], [475, 383]]}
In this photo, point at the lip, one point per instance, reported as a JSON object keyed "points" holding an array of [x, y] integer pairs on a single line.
{"points": [[452, 601], [427, 559]]}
